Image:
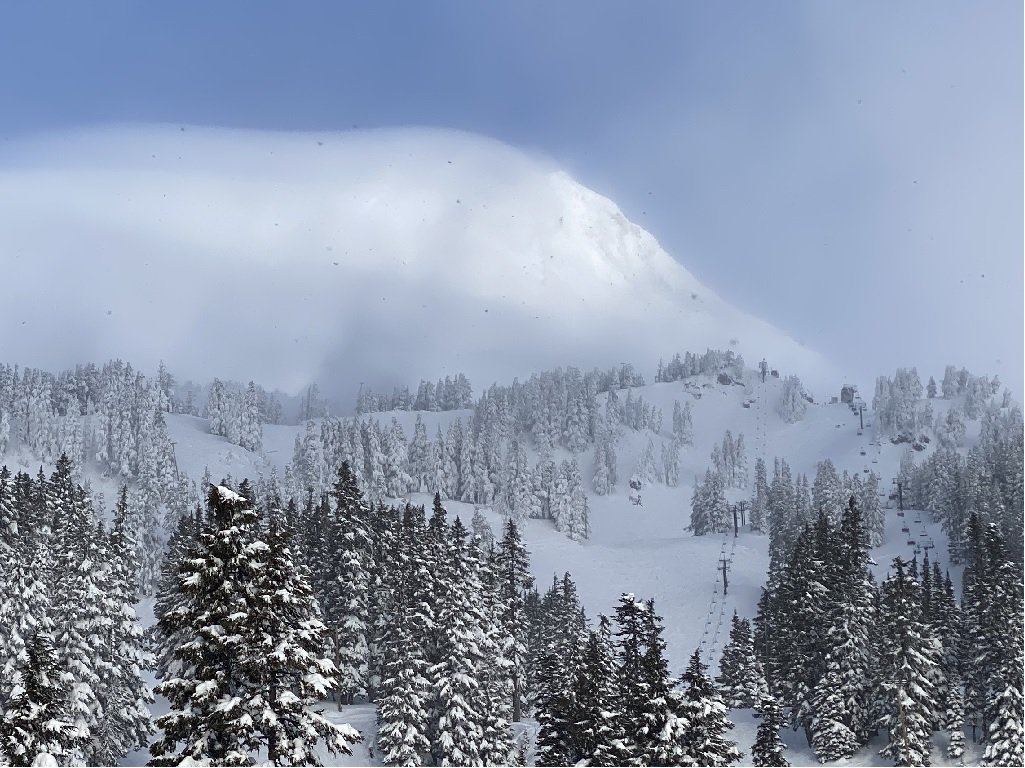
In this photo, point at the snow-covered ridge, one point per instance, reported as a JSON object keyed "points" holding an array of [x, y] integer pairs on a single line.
{"points": [[447, 251]]}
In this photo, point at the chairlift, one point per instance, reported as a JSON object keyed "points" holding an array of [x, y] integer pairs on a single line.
{"points": [[911, 542], [905, 529], [862, 452], [859, 431], [900, 513]]}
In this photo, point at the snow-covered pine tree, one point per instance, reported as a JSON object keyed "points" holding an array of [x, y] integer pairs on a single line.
{"points": [[906, 655], [348, 566], [709, 510], [739, 678], [404, 632], [122, 692], [250, 423], [596, 696], [481, 531], [419, 457], [1001, 620], [792, 405], [215, 407], [512, 568], [556, 662], [285, 672], [212, 674], [686, 432], [458, 695], [760, 501], [666, 728], [671, 463], [704, 713], [769, 747], [82, 632], [624, 748], [36, 718]]}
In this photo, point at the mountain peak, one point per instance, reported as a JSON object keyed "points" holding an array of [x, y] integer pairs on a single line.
{"points": [[376, 255]]}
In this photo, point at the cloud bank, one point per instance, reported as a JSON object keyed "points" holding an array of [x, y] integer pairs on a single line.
{"points": [[374, 256]]}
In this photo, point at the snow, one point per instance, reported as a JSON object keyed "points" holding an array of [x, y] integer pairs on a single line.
{"points": [[645, 550], [228, 495], [490, 260]]}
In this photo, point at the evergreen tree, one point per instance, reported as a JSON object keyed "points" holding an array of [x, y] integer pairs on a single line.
{"points": [[906, 655], [596, 697], [458, 693], [514, 580], [35, 717], [769, 747], [404, 701], [738, 679], [285, 670], [704, 713], [346, 600], [760, 501], [228, 694]]}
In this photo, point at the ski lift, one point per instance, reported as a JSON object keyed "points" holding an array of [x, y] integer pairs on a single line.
{"points": [[859, 432], [911, 542], [905, 529], [900, 513]]}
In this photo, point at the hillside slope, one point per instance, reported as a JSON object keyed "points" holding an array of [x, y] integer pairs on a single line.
{"points": [[646, 549]]}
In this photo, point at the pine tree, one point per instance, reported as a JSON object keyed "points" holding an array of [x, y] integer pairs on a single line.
{"points": [[671, 463], [405, 621], [348, 566], [760, 501], [596, 696], [285, 672], [704, 713], [769, 747], [514, 580], [35, 717], [709, 510], [218, 669], [122, 692], [458, 692], [906, 655], [738, 679], [665, 727]]}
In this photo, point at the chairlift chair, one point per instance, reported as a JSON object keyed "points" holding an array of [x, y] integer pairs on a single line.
{"points": [[905, 529], [900, 513], [911, 542]]}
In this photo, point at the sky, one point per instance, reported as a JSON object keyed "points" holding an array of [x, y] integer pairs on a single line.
{"points": [[850, 172]]}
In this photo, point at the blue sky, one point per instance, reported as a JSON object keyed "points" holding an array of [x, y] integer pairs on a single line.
{"points": [[851, 172]]}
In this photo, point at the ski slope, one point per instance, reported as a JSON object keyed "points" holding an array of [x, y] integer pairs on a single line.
{"points": [[646, 549]]}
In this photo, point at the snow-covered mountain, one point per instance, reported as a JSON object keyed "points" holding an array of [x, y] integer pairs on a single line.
{"points": [[291, 257]]}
